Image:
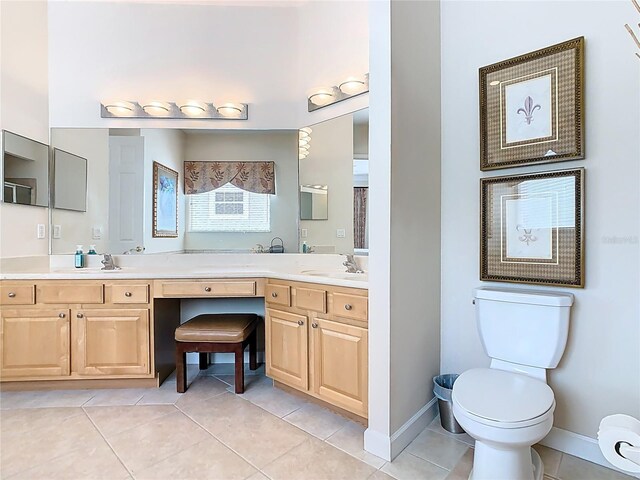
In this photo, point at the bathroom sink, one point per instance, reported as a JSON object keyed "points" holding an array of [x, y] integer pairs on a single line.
{"points": [[333, 274]]}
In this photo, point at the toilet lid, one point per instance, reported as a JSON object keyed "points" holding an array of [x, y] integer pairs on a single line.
{"points": [[502, 396]]}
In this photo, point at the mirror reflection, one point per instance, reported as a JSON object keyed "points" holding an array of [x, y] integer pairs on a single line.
{"points": [[314, 202], [25, 170], [337, 157], [69, 181], [224, 209]]}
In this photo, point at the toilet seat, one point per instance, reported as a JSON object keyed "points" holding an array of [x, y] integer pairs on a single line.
{"points": [[503, 399]]}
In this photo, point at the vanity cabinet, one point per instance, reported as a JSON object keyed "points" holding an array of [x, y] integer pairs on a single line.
{"points": [[319, 343], [65, 330]]}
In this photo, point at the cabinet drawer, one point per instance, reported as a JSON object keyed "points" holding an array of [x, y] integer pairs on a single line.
{"points": [[349, 306], [127, 293], [70, 293], [203, 288], [278, 295], [17, 294], [311, 299]]}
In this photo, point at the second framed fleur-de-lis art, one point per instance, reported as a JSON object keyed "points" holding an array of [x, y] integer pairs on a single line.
{"points": [[532, 107]]}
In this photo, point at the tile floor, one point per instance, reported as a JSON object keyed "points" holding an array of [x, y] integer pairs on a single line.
{"points": [[211, 433]]}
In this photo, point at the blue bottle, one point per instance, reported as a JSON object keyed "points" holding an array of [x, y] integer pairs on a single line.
{"points": [[79, 257]]}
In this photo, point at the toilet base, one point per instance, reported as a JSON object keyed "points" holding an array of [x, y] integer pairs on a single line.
{"points": [[491, 463]]}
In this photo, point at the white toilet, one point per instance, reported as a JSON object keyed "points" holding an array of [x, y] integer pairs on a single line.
{"points": [[508, 407]]}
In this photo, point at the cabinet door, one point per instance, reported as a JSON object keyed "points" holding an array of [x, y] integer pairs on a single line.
{"points": [[34, 343], [340, 364], [287, 348], [110, 342]]}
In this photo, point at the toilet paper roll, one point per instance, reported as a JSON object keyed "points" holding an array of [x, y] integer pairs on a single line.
{"points": [[613, 430]]}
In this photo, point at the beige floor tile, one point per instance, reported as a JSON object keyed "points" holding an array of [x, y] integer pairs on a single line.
{"points": [[114, 420], [249, 381], [148, 444], [350, 439], [573, 468], [318, 421], [380, 475], [208, 459], [314, 459], [272, 399], [201, 389], [442, 450], [550, 459], [96, 461], [254, 434], [25, 420], [463, 468], [160, 396], [258, 476], [46, 398], [21, 451], [436, 426], [117, 396], [409, 467]]}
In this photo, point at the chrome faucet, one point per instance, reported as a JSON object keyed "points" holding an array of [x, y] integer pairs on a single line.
{"points": [[108, 263], [352, 266], [138, 249]]}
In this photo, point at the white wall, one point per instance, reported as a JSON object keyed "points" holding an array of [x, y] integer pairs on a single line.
{"points": [[24, 109], [600, 371], [278, 146], [330, 162], [165, 146], [137, 51], [76, 227], [404, 287]]}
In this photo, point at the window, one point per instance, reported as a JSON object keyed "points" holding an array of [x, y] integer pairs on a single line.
{"points": [[229, 209]]}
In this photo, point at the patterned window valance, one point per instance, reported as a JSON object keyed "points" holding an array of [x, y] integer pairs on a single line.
{"points": [[257, 177]]}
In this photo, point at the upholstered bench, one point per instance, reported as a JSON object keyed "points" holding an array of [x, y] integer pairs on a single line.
{"points": [[217, 333]]}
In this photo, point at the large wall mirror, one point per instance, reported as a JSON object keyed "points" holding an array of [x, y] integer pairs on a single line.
{"points": [[119, 211], [336, 163], [25, 170]]}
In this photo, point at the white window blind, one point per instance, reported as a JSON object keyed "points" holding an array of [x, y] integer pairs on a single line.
{"points": [[229, 209]]}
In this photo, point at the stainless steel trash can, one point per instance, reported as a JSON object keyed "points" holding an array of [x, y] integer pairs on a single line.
{"points": [[442, 388]]}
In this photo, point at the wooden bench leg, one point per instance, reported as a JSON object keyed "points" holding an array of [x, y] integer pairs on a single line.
{"points": [[239, 381], [204, 361], [181, 369], [253, 350]]}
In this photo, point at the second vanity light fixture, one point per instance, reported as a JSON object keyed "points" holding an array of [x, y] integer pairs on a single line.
{"points": [[192, 109], [304, 142], [325, 96]]}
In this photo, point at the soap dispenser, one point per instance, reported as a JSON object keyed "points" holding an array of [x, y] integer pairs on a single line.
{"points": [[304, 247], [92, 250], [79, 257]]}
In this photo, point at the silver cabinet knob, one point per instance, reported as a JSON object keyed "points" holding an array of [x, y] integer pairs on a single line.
{"points": [[79, 315], [348, 306], [300, 322], [207, 289], [12, 294], [274, 294], [314, 325], [127, 294], [62, 315]]}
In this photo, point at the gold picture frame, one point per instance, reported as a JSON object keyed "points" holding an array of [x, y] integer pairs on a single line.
{"points": [[532, 228], [165, 202], [532, 107]]}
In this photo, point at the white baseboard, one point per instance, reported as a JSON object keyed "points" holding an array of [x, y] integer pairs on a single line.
{"points": [[577, 445], [389, 447], [412, 427]]}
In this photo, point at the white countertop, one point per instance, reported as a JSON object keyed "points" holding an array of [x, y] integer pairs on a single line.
{"points": [[325, 269]]}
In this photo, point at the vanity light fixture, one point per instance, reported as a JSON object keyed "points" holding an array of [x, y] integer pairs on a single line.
{"points": [[189, 109], [119, 109], [304, 142], [351, 87]]}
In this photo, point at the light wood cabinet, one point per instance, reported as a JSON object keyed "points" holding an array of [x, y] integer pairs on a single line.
{"points": [[110, 342], [34, 343], [287, 347], [340, 364], [322, 354]]}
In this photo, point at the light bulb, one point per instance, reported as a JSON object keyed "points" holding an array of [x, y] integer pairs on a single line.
{"points": [[352, 86], [322, 97], [119, 109], [156, 108], [193, 108], [230, 110]]}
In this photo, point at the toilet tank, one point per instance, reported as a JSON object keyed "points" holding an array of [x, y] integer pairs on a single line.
{"points": [[527, 327]]}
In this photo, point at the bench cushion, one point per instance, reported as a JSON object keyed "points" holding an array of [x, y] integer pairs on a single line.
{"points": [[218, 328]]}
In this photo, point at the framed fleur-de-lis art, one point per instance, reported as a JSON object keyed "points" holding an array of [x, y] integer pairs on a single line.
{"points": [[532, 107]]}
